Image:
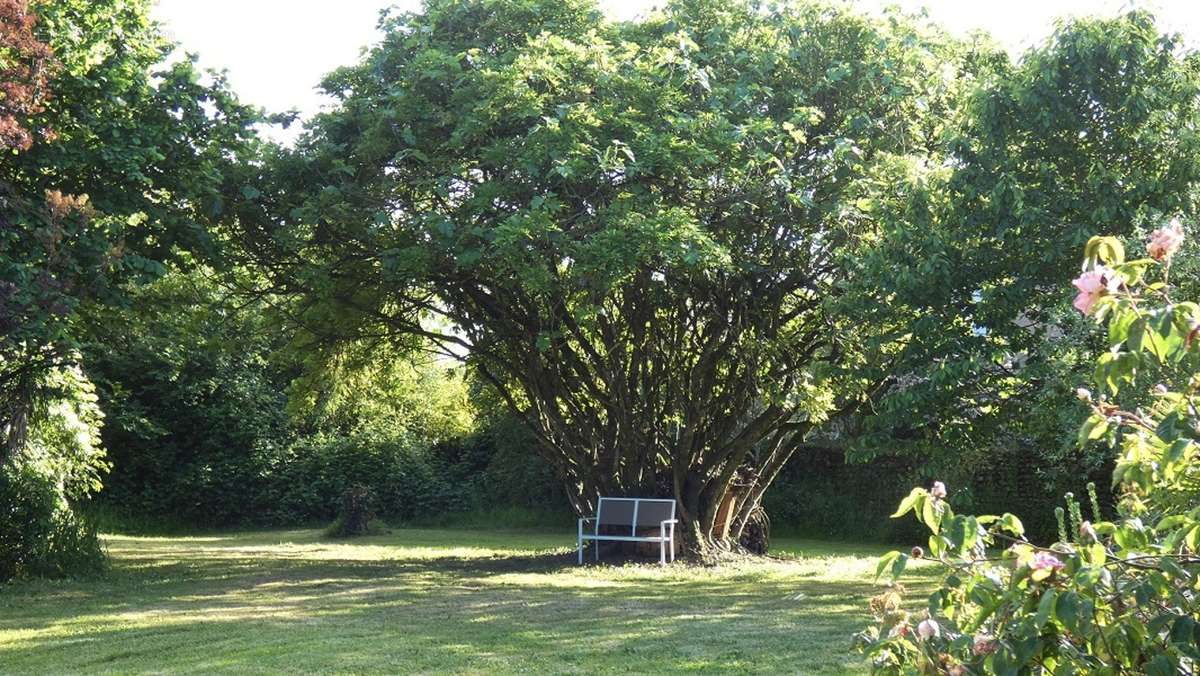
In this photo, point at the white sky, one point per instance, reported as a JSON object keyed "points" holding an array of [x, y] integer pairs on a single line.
{"points": [[276, 51]]}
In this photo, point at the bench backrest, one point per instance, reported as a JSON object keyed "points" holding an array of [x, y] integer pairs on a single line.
{"points": [[634, 513]]}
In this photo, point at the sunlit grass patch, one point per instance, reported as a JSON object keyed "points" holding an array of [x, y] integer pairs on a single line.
{"points": [[431, 600]]}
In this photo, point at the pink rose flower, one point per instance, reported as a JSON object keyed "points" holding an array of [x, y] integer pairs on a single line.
{"points": [[1046, 561], [1093, 284], [928, 629], [939, 490], [985, 644], [1164, 242], [1087, 532]]}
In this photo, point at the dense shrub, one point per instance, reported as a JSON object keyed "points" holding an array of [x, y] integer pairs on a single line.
{"points": [[194, 404], [27, 506], [40, 534], [820, 494], [308, 480], [218, 416], [503, 468], [61, 460], [408, 479]]}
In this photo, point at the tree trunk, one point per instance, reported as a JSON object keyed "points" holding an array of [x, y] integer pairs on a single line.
{"points": [[14, 426], [700, 492]]}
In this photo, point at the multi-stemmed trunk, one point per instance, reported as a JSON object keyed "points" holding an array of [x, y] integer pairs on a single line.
{"points": [[657, 399]]}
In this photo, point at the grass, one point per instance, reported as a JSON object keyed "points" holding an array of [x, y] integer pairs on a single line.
{"points": [[428, 600]]}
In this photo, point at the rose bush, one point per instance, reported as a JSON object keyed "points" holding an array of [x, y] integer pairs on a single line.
{"points": [[1111, 596]]}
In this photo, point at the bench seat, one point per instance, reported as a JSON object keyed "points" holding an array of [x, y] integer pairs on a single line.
{"points": [[622, 518]]}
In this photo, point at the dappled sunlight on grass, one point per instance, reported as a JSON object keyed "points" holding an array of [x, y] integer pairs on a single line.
{"points": [[435, 600]]}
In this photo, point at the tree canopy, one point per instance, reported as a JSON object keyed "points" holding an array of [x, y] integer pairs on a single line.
{"points": [[112, 163], [632, 230], [1095, 130], [120, 166]]}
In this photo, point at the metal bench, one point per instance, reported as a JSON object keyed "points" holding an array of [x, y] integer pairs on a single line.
{"points": [[621, 519]]}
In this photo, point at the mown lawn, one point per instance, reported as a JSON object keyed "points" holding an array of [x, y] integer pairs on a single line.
{"points": [[435, 601]]}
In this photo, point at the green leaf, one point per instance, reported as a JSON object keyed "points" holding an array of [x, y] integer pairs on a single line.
{"points": [[1012, 524], [1095, 554], [1161, 665], [885, 561], [1183, 630], [1156, 344], [1067, 609], [909, 503], [932, 515], [1119, 327], [1045, 608], [1111, 251], [1093, 428], [469, 257], [1136, 331], [1176, 451]]}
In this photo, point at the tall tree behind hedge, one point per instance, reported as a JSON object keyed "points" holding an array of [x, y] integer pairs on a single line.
{"points": [[1097, 129]]}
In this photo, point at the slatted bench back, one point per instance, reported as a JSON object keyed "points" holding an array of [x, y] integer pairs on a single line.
{"points": [[633, 513]]}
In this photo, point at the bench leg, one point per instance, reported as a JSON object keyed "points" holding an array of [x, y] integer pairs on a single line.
{"points": [[662, 552], [597, 550], [579, 546]]}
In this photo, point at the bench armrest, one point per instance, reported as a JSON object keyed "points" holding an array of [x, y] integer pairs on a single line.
{"points": [[587, 518], [670, 521]]}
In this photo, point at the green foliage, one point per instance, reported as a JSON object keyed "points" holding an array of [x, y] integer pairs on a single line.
{"points": [[1110, 596], [308, 480], [40, 534], [194, 403], [29, 502], [355, 386], [633, 228], [149, 138], [64, 438], [1094, 129], [503, 466], [821, 494], [194, 381], [126, 173]]}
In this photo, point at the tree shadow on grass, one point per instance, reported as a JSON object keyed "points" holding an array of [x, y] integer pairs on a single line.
{"points": [[211, 607]]}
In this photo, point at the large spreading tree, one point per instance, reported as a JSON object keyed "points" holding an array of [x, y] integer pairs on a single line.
{"points": [[633, 231]]}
